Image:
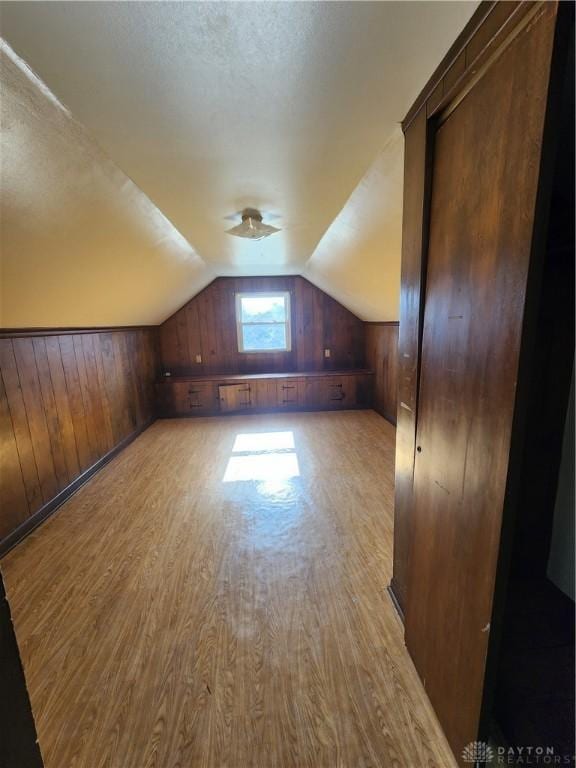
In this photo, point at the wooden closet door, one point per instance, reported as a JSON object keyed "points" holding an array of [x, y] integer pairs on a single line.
{"points": [[484, 188]]}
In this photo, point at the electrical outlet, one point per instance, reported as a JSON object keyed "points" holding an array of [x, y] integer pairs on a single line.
{"points": [[198, 358], [326, 353]]}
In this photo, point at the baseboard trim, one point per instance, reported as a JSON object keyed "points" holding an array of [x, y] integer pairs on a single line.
{"points": [[399, 611], [29, 525]]}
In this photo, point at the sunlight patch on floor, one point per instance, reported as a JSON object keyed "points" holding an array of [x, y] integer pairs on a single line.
{"points": [[262, 456]]}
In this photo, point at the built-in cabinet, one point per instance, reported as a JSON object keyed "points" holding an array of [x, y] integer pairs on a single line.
{"points": [[264, 392]]}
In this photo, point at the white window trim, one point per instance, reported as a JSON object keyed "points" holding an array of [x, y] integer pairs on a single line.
{"points": [[239, 324]]}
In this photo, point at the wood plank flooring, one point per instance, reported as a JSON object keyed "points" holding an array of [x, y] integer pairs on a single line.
{"points": [[216, 598]]}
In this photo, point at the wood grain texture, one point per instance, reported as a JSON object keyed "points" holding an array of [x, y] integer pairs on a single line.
{"points": [[484, 33], [178, 620], [65, 402], [485, 186], [211, 395], [414, 240], [382, 358], [206, 326]]}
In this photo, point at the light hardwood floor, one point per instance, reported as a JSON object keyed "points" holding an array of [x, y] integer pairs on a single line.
{"points": [[216, 598]]}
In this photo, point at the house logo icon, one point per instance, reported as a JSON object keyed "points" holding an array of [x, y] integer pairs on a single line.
{"points": [[477, 752]]}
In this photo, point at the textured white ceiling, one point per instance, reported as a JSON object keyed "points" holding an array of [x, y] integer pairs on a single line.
{"points": [[81, 245], [211, 107]]}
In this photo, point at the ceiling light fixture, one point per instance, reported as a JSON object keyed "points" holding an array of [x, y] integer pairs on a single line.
{"points": [[252, 226]]}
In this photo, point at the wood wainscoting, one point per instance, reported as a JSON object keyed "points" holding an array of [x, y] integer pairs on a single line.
{"points": [[206, 326], [68, 402], [382, 358]]}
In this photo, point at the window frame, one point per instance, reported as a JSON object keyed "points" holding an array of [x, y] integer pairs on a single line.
{"points": [[287, 323]]}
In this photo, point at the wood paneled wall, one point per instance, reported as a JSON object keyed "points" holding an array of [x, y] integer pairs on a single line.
{"points": [[206, 326], [382, 358], [67, 401]]}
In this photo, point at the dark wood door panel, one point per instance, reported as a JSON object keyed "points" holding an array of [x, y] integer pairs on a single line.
{"points": [[485, 183]]}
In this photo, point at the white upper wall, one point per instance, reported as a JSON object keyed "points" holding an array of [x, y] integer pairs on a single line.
{"points": [[202, 109], [358, 259]]}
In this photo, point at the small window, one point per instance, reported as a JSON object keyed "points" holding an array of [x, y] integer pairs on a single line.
{"points": [[263, 321]]}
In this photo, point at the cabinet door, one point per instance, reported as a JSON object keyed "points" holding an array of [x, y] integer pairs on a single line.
{"points": [[340, 391], [315, 393], [330, 392], [202, 397], [288, 393], [235, 397], [335, 391], [263, 393], [191, 399], [348, 391]]}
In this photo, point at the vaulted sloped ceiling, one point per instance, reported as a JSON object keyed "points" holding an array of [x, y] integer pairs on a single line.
{"points": [[81, 244], [357, 260], [177, 116]]}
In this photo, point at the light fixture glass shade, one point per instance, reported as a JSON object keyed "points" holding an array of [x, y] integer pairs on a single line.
{"points": [[252, 228]]}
